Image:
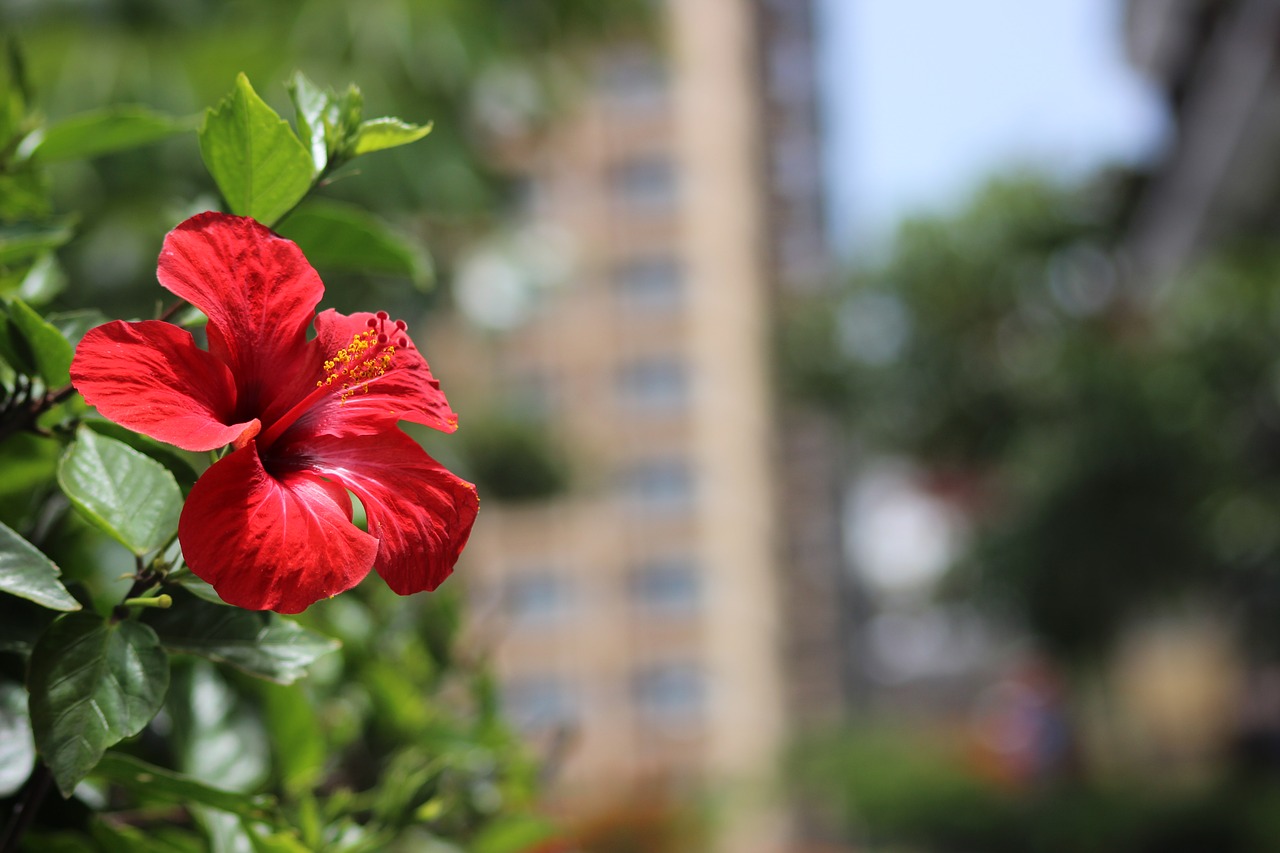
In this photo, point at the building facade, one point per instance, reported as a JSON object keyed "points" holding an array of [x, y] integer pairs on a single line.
{"points": [[664, 620]]}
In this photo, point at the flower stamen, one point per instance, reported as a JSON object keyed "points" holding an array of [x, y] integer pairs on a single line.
{"points": [[350, 370]]}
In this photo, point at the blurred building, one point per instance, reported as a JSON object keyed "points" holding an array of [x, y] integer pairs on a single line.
{"points": [[1216, 60], [664, 621]]}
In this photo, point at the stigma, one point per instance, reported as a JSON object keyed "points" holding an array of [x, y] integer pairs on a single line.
{"points": [[368, 356]]}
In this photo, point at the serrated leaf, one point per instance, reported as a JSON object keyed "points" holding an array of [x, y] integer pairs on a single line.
{"points": [[92, 134], [258, 163], [27, 239], [27, 573], [50, 352], [380, 133], [17, 749], [341, 236], [126, 494], [259, 643], [157, 783], [92, 683]]}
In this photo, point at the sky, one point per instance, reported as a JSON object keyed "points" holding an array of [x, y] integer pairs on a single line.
{"points": [[925, 99]]}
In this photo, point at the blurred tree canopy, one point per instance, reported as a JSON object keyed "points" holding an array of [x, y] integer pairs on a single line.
{"points": [[1116, 451], [475, 68]]}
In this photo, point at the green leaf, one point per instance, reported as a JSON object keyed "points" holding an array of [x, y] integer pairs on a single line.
{"points": [[21, 624], [231, 834], [195, 585], [50, 353], [42, 281], [17, 749], [348, 107], [259, 643], [29, 574], [311, 103], [100, 132], [260, 166], [513, 834], [74, 324], [177, 461], [29, 463], [342, 236], [296, 738], [379, 133], [217, 737], [276, 842], [157, 783], [126, 494], [92, 683], [117, 837], [14, 351], [24, 195], [27, 239]]}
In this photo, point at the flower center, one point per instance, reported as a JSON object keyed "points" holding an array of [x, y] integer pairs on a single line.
{"points": [[349, 370], [367, 357]]}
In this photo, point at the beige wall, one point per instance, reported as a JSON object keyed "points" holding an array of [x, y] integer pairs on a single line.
{"points": [[580, 334]]}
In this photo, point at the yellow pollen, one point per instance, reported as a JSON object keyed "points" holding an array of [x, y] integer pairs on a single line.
{"points": [[357, 364]]}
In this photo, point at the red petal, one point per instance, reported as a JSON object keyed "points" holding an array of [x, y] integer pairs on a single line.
{"points": [[272, 542], [258, 291], [421, 513], [152, 378], [406, 392]]}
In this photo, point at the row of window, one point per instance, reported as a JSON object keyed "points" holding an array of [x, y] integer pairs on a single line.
{"points": [[642, 184], [661, 486], [671, 695], [649, 386], [668, 587]]}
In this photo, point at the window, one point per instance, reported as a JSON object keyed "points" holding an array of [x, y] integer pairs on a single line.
{"points": [[538, 599], [634, 80], [670, 693], [656, 384], [653, 283], [540, 702], [659, 485], [670, 586], [646, 184]]}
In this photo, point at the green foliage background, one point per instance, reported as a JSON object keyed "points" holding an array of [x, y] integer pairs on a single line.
{"points": [[1113, 447]]}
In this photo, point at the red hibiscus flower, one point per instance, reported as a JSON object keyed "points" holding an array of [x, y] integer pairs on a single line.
{"points": [[269, 524]]}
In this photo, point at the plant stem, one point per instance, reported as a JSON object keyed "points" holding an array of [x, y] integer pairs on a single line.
{"points": [[162, 602], [25, 811], [173, 309]]}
